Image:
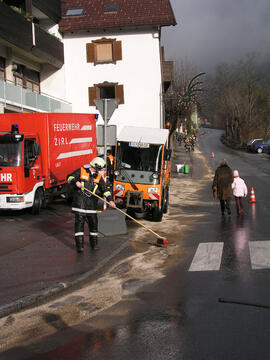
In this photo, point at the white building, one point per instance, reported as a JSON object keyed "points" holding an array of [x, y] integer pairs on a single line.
{"points": [[111, 49]]}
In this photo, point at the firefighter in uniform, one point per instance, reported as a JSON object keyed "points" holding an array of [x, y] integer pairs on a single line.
{"points": [[84, 204]]}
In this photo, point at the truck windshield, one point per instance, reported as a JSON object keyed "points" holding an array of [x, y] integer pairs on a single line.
{"points": [[146, 158], [10, 154], [136, 165]]}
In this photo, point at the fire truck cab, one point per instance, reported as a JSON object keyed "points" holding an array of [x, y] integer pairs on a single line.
{"points": [[37, 153]]}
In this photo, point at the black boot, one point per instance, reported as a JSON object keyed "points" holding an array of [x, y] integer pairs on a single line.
{"points": [[96, 246], [93, 240], [79, 243]]}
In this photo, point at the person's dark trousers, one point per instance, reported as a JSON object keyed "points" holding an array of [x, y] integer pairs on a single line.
{"points": [[93, 230], [79, 231], [239, 204], [225, 204]]}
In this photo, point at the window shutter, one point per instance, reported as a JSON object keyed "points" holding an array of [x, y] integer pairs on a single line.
{"points": [[90, 52], [117, 50], [93, 94], [119, 93]]}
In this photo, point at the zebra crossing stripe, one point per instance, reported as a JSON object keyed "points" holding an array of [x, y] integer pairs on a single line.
{"points": [[259, 254], [207, 257]]}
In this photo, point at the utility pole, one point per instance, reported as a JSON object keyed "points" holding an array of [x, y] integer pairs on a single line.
{"points": [[106, 108]]}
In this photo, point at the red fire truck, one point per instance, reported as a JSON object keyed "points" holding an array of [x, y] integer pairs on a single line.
{"points": [[37, 152]]}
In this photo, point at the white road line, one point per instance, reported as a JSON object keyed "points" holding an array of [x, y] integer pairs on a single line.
{"points": [[259, 254], [207, 257]]}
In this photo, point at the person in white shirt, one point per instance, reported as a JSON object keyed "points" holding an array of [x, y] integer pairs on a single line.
{"points": [[239, 188]]}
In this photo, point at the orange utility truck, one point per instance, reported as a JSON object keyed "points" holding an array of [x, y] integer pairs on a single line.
{"points": [[37, 152], [142, 171]]}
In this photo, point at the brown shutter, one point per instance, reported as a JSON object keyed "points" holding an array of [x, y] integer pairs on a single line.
{"points": [[90, 52], [119, 93], [117, 50], [93, 93]]}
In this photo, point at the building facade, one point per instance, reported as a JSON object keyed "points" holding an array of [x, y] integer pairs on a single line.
{"points": [[31, 56], [62, 56]]}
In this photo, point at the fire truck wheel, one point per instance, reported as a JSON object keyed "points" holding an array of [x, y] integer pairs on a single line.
{"points": [[166, 200], [37, 202], [157, 214]]}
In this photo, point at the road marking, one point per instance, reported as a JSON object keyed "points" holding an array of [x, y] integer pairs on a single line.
{"points": [[207, 257], [259, 254]]}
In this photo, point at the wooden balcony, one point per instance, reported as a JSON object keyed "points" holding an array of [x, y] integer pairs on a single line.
{"points": [[18, 31], [167, 74]]}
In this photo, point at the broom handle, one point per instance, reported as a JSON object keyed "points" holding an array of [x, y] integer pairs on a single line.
{"points": [[132, 218]]}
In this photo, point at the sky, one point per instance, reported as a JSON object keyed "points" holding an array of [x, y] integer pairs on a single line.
{"points": [[209, 32]]}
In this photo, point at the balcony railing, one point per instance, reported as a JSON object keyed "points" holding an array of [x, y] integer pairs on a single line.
{"points": [[28, 100]]}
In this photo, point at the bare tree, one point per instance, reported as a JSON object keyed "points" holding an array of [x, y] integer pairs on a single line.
{"points": [[238, 100], [185, 93]]}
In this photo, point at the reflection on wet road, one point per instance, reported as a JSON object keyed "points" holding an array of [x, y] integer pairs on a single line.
{"points": [[180, 316]]}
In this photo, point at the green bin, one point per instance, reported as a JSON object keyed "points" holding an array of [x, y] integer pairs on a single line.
{"points": [[186, 169]]}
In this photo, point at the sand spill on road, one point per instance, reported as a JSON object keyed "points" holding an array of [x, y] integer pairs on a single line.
{"points": [[124, 279]]}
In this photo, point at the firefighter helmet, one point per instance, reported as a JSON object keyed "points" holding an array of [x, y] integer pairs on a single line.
{"points": [[97, 163]]}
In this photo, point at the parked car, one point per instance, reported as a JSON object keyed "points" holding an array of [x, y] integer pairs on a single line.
{"points": [[250, 144], [261, 146]]}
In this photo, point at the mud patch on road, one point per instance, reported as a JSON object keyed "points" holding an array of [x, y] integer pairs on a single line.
{"points": [[27, 327]]}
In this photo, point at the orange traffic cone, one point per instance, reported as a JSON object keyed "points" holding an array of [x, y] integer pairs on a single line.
{"points": [[252, 195]]}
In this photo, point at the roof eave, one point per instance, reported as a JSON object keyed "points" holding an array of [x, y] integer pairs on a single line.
{"points": [[64, 29]]}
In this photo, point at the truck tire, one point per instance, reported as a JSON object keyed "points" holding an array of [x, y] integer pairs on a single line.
{"points": [[166, 200], [157, 213], [131, 212], [38, 200], [259, 150]]}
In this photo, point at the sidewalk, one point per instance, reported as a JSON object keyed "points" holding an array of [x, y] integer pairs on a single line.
{"points": [[28, 279], [181, 157]]}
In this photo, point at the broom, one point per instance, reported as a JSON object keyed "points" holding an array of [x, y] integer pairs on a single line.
{"points": [[160, 239]]}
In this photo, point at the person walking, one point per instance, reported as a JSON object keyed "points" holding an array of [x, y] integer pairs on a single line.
{"points": [[179, 139], [239, 191], [84, 204], [222, 186]]}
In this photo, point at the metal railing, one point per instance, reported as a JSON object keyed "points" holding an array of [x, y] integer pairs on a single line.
{"points": [[25, 99]]}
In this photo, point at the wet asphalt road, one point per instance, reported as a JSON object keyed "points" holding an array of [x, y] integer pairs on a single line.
{"points": [[181, 315], [38, 252]]}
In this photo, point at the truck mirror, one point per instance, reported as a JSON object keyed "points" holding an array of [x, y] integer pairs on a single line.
{"points": [[168, 153]]}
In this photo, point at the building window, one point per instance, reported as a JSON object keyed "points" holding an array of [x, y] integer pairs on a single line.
{"points": [[26, 78], [106, 90], [104, 51], [18, 74], [111, 8], [75, 12], [2, 68]]}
